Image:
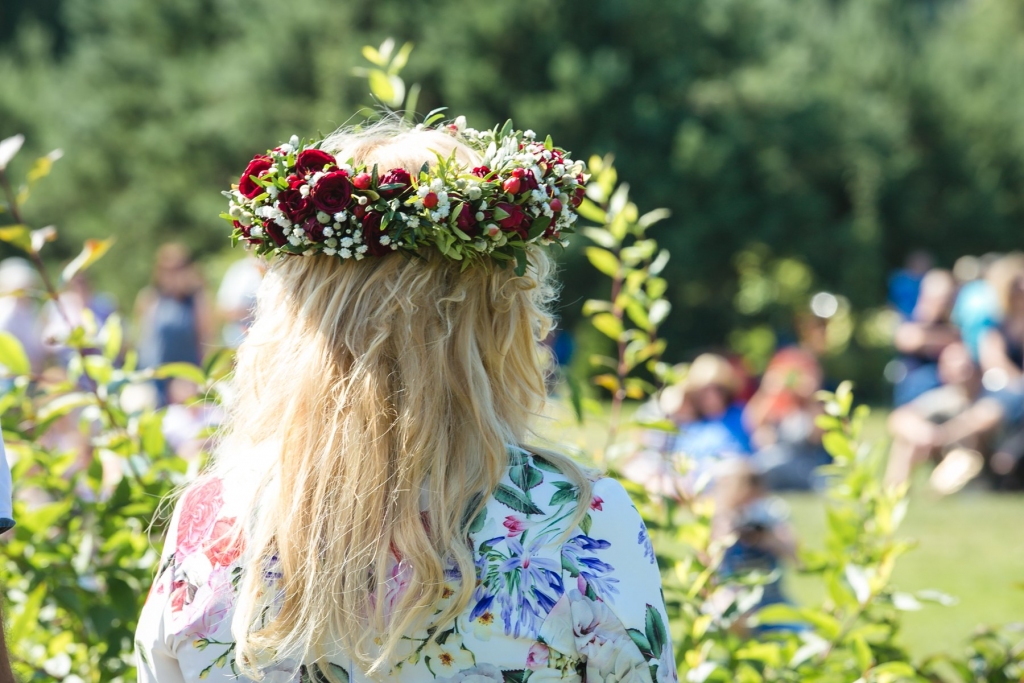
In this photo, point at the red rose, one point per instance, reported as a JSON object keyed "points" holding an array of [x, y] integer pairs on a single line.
{"points": [[199, 508], [294, 205], [396, 176], [528, 179], [372, 234], [314, 229], [226, 545], [294, 181], [333, 193], [516, 221], [276, 233], [466, 221], [249, 188], [312, 160], [480, 171]]}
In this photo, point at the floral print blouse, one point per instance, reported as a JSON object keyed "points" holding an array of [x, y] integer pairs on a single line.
{"points": [[548, 606]]}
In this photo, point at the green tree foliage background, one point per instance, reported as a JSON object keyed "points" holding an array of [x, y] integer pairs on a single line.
{"points": [[843, 132]]}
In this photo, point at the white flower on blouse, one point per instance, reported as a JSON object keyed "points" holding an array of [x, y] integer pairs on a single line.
{"points": [[482, 673], [449, 657]]}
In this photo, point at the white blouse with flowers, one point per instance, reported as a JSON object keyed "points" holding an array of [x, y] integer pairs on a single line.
{"points": [[586, 606]]}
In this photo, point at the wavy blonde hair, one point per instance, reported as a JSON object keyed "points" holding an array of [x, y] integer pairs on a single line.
{"points": [[381, 381]]}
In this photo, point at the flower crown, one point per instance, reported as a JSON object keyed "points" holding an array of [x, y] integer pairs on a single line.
{"points": [[300, 199]]}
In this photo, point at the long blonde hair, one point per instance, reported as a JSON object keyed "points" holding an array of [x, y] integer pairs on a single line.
{"points": [[379, 381]]}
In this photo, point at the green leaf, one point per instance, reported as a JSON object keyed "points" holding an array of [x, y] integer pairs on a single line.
{"points": [[608, 324], [152, 434], [563, 496], [592, 306], [92, 251], [18, 235], [113, 336], [13, 356], [182, 371], [593, 212], [654, 629], [600, 236], [641, 641], [525, 476], [28, 617], [371, 55], [652, 217], [516, 500]]}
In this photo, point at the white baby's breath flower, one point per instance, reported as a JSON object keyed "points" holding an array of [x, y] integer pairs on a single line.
{"points": [[436, 185], [385, 240], [460, 123], [529, 134], [294, 141], [347, 241], [345, 253], [341, 216], [362, 249], [422, 191], [272, 191], [304, 190], [294, 239], [316, 177], [329, 251], [287, 149], [256, 231]]}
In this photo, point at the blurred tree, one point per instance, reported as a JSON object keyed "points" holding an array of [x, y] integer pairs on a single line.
{"points": [[844, 134]]}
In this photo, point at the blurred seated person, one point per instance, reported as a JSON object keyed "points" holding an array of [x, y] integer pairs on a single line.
{"points": [[710, 420], [755, 529], [949, 422], [920, 339], [1002, 365], [976, 308], [781, 416], [905, 283]]}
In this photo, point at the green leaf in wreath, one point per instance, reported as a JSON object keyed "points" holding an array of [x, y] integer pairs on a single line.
{"points": [[516, 500]]}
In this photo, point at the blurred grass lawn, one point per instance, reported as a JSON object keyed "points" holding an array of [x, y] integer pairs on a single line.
{"points": [[970, 545]]}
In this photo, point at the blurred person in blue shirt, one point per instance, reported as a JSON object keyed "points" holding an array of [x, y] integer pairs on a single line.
{"points": [[922, 337], [905, 283], [711, 421], [976, 309], [6, 522]]}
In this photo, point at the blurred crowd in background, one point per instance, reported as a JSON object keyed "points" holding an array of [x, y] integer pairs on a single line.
{"points": [[957, 374], [958, 392]]}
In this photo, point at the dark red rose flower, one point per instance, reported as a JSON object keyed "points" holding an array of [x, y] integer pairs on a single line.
{"points": [[396, 176], [466, 221], [480, 171], [294, 181], [517, 221], [312, 160], [314, 229], [333, 193], [528, 179], [258, 165], [294, 205], [276, 233], [372, 234]]}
